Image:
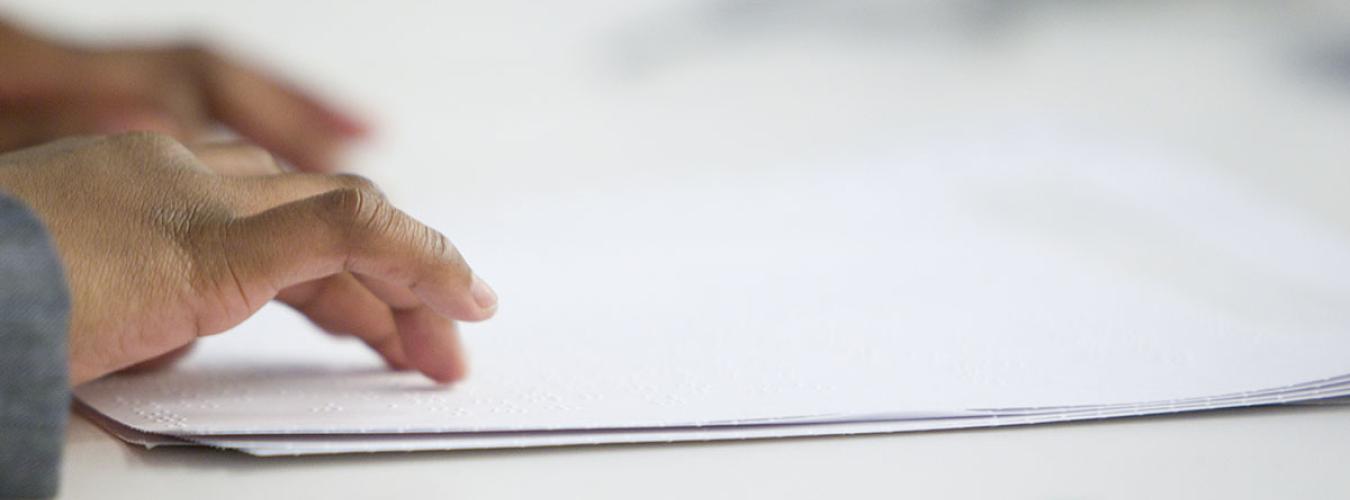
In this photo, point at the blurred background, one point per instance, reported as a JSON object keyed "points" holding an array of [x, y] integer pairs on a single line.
{"points": [[524, 96]]}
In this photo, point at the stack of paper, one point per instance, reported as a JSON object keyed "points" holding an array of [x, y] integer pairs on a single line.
{"points": [[963, 288]]}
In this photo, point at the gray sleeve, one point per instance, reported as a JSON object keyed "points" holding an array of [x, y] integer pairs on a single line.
{"points": [[34, 393]]}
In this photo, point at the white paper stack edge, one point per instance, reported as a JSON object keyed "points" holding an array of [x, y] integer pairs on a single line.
{"points": [[966, 289], [309, 444]]}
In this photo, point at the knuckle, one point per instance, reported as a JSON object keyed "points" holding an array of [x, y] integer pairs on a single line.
{"points": [[152, 143], [442, 252], [143, 151], [356, 213], [439, 246], [360, 183]]}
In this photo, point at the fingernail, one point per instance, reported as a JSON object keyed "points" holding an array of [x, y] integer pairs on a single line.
{"points": [[483, 294]]}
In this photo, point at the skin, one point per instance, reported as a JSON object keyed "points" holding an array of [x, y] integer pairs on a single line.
{"points": [[160, 249], [165, 243], [50, 89]]}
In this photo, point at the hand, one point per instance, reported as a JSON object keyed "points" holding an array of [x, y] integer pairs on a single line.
{"points": [[159, 250], [49, 91]]}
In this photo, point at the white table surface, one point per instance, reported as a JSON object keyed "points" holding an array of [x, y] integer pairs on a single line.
{"points": [[1298, 452], [486, 87]]}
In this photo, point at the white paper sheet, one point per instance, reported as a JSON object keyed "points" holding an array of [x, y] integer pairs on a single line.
{"points": [[310, 444], [1012, 275]]}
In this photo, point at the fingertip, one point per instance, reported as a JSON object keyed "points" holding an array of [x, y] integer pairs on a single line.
{"points": [[432, 344], [340, 121], [395, 357], [349, 126], [484, 297], [446, 374], [396, 365], [476, 303]]}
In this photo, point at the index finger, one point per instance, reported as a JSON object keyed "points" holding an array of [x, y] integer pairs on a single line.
{"points": [[356, 231]]}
